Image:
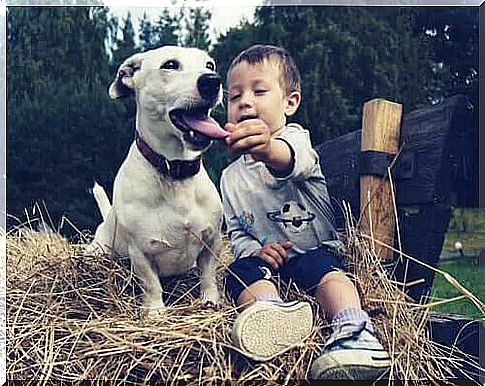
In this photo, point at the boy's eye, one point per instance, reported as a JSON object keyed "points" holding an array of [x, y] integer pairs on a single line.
{"points": [[234, 97], [260, 91]]}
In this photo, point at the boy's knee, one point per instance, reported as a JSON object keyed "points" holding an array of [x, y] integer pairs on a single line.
{"points": [[335, 276]]}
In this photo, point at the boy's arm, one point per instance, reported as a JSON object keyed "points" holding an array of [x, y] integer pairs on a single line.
{"points": [[243, 244], [280, 160], [305, 158]]}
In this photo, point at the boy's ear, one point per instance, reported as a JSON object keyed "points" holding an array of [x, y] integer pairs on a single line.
{"points": [[292, 103]]}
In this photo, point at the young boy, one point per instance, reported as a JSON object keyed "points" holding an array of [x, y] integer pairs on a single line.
{"points": [[280, 222]]}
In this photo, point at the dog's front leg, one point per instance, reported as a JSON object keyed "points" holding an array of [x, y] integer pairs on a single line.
{"points": [[207, 262], [153, 305]]}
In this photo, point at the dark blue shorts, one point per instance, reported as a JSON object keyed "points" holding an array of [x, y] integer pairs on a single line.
{"points": [[306, 270]]}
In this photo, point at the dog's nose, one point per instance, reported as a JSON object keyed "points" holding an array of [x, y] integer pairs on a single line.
{"points": [[209, 85]]}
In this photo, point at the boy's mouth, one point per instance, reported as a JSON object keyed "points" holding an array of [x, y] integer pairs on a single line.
{"points": [[246, 117]]}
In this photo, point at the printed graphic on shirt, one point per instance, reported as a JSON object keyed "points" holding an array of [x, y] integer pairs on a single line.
{"points": [[293, 216], [246, 221]]}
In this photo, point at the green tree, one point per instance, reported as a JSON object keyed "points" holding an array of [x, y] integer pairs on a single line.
{"points": [[125, 46], [196, 28], [453, 35], [62, 130], [166, 30]]}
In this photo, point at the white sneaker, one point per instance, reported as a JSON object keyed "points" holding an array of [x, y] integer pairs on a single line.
{"points": [[352, 352], [265, 329]]}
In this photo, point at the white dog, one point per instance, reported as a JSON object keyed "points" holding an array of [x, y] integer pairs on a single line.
{"points": [[166, 212]]}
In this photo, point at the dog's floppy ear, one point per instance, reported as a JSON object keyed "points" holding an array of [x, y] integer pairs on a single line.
{"points": [[123, 84]]}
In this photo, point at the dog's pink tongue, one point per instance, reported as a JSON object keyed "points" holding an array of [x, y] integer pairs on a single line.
{"points": [[208, 126]]}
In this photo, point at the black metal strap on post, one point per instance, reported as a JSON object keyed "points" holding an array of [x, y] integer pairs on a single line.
{"points": [[376, 163]]}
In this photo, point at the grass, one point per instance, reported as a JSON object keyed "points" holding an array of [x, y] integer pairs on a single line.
{"points": [[469, 274], [467, 226]]}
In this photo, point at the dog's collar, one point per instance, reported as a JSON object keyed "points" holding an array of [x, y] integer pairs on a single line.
{"points": [[177, 169]]}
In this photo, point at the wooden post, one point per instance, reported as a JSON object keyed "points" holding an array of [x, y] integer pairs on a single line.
{"points": [[381, 121]]}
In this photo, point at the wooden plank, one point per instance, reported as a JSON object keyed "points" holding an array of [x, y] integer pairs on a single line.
{"points": [[431, 138], [459, 333], [422, 232], [381, 124], [339, 160]]}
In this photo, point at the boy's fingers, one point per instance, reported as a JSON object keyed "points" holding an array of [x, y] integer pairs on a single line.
{"points": [[230, 127], [243, 131], [275, 256], [249, 126], [287, 244], [267, 258], [281, 251], [245, 142]]}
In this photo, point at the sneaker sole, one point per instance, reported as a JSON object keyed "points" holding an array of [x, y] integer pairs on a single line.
{"points": [[362, 367], [266, 330]]}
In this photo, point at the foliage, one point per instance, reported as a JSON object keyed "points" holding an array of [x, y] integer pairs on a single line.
{"points": [[197, 26], [125, 46], [467, 225], [164, 32], [62, 129], [468, 272]]}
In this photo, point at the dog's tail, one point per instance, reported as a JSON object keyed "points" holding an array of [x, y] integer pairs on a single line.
{"points": [[102, 200]]}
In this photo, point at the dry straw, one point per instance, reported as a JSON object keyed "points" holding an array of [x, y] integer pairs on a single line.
{"points": [[72, 316]]}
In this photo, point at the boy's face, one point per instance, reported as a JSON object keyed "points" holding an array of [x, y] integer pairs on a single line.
{"points": [[255, 92]]}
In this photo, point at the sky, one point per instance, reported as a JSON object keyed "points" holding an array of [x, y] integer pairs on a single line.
{"points": [[223, 17]]}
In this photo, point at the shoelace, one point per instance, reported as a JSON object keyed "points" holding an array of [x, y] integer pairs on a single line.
{"points": [[351, 334]]}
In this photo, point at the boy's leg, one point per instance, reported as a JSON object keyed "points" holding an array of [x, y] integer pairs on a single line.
{"points": [[259, 290], [336, 292], [267, 326], [352, 352]]}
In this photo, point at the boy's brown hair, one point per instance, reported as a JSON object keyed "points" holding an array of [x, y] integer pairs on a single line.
{"points": [[290, 79]]}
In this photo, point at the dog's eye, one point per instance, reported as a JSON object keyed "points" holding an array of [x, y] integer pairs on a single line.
{"points": [[170, 65], [211, 66]]}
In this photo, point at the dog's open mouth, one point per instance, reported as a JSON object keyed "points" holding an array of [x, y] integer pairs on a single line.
{"points": [[196, 124]]}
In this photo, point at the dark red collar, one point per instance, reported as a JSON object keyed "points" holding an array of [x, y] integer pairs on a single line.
{"points": [[177, 169]]}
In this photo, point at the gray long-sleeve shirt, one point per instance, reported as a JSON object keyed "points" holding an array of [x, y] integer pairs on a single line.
{"points": [[260, 208]]}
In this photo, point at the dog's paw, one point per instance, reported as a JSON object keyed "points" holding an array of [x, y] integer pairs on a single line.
{"points": [[210, 295], [154, 312], [93, 249]]}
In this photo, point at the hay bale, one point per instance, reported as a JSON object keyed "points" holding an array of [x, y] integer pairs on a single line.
{"points": [[73, 316]]}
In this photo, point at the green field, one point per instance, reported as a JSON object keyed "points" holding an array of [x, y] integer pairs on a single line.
{"points": [[468, 227], [470, 275]]}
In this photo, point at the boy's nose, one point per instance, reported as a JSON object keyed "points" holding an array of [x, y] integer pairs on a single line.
{"points": [[246, 100]]}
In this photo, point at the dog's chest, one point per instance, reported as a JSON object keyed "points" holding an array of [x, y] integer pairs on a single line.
{"points": [[171, 227], [180, 238], [168, 221]]}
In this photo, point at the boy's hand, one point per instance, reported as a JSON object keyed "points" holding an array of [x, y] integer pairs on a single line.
{"points": [[275, 254], [250, 136]]}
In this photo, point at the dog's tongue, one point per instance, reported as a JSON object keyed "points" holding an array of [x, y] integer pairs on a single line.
{"points": [[208, 126]]}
